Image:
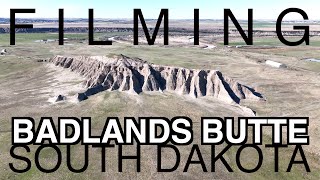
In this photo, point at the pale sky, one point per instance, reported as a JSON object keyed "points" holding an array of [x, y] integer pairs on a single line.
{"points": [[178, 9]]}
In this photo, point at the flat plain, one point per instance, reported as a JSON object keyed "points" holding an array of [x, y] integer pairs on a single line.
{"points": [[27, 82]]}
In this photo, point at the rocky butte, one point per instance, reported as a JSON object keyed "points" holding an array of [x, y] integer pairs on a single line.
{"points": [[134, 75]]}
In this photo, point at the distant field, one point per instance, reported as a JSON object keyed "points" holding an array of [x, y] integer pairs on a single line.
{"points": [[31, 37], [270, 41]]}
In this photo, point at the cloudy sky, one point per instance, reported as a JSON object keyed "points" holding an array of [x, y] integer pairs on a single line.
{"points": [[178, 9]]}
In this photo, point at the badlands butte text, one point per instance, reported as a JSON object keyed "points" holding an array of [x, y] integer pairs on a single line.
{"points": [[165, 135]]}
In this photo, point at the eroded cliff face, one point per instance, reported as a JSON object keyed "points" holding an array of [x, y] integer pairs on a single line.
{"points": [[135, 75]]}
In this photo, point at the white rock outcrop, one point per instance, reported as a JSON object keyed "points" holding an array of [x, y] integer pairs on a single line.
{"points": [[135, 75], [275, 64]]}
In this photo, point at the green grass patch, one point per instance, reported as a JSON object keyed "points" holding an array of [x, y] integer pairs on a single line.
{"points": [[32, 37], [271, 41]]}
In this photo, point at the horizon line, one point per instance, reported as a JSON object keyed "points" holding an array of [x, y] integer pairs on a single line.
{"points": [[82, 18]]}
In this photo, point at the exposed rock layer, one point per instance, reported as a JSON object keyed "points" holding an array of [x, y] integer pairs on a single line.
{"points": [[135, 75]]}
